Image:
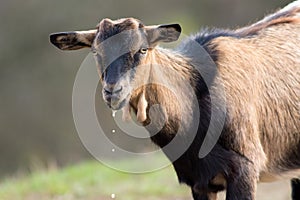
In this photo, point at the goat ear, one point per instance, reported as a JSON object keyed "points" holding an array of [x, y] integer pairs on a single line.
{"points": [[73, 40], [162, 33]]}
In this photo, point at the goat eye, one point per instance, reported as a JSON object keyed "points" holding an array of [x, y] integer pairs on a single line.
{"points": [[143, 50], [95, 53]]}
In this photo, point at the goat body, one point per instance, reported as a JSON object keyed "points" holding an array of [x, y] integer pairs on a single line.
{"points": [[258, 68]]}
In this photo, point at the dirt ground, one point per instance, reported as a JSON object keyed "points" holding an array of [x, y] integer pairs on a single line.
{"points": [[271, 191], [274, 191]]}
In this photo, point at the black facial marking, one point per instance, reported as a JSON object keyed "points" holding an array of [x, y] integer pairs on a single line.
{"points": [[121, 66], [130, 42]]}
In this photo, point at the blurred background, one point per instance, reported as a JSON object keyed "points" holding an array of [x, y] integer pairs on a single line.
{"points": [[36, 79]]}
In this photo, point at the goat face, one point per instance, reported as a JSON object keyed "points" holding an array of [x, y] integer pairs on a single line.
{"points": [[119, 48]]}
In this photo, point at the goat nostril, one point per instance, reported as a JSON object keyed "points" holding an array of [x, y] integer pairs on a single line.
{"points": [[111, 90], [118, 90], [107, 91]]}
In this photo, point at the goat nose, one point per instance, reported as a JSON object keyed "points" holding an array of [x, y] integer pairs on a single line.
{"points": [[112, 89]]}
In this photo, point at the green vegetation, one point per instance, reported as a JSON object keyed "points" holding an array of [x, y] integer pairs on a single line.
{"points": [[92, 180]]}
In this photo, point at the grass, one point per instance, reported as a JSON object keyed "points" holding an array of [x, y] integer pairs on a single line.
{"points": [[92, 180]]}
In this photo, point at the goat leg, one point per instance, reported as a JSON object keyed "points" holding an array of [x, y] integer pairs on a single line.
{"points": [[295, 189]]}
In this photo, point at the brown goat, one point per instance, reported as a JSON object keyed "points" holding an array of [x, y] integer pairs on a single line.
{"points": [[258, 68]]}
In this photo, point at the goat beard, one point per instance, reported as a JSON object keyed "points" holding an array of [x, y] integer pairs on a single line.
{"points": [[141, 110]]}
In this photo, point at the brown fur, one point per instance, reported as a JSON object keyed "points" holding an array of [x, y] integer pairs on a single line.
{"points": [[265, 91], [281, 17], [122, 24], [261, 76], [157, 65], [259, 69]]}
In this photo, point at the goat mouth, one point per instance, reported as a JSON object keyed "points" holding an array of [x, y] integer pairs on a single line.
{"points": [[118, 105]]}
